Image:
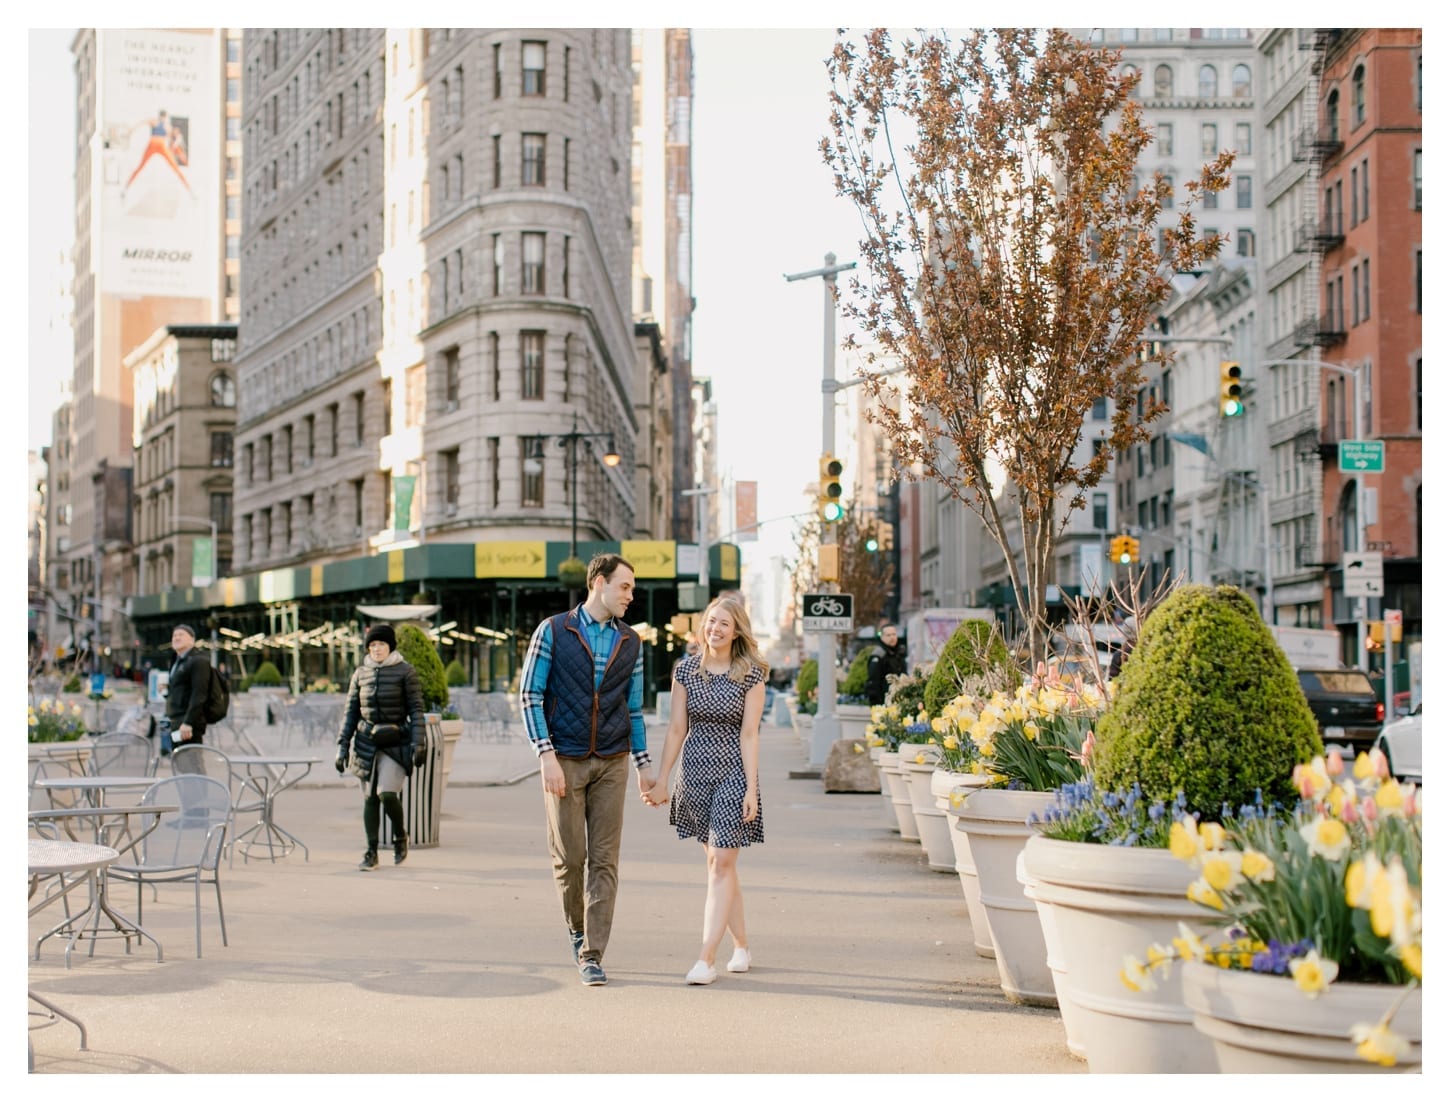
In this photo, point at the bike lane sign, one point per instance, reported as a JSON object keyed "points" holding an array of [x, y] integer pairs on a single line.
{"points": [[828, 612]]}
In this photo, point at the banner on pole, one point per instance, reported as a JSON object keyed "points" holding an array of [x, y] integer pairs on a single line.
{"points": [[745, 514]]}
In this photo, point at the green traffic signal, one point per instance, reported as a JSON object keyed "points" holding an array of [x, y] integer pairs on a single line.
{"points": [[832, 511], [873, 545]]}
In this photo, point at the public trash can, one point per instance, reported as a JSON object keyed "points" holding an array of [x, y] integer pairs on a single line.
{"points": [[423, 794], [782, 710]]}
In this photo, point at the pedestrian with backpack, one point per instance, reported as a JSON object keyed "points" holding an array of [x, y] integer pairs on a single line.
{"points": [[382, 729], [187, 689]]}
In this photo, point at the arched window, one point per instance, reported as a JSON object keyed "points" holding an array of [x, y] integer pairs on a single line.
{"points": [[1348, 518], [1243, 82], [1331, 116], [1129, 72], [223, 390], [1357, 91], [1163, 81], [1207, 82]]}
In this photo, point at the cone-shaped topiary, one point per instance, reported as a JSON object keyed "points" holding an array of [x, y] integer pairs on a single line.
{"points": [[855, 682], [973, 647], [267, 675], [805, 686], [1206, 704], [419, 653], [456, 674]]}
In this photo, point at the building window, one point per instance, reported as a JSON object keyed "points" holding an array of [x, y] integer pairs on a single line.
{"points": [[533, 264], [497, 161], [1356, 92], [1207, 82], [1417, 281], [1100, 511], [358, 485], [497, 264], [531, 352], [267, 457], [494, 366], [387, 407], [1167, 203], [1364, 277], [1245, 242], [497, 70], [309, 424], [1416, 179], [1243, 82], [1354, 196], [1164, 139], [531, 482], [221, 450], [566, 75], [1210, 202], [334, 418], [450, 477], [1243, 192], [284, 446], [1130, 73], [359, 409], [223, 390], [1244, 136], [1331, 115], [533, 163], [566, 164], [223, 350], [415, 394], [494, 469], [1208, 139], [451, 377], [1163, 81], [1364, 189], [534, 69], [566, 263], [1100, 409]]}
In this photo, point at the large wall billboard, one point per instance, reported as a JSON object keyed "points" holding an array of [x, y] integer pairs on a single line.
{"points": [[160, 163]]}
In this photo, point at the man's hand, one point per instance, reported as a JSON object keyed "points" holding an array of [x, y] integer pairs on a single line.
{"points": [[660, 794], [552, 774], [646, 782], [183, 733]]}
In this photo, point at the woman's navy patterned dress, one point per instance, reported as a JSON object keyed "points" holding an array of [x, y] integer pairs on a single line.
{"points": [[706, 803]]}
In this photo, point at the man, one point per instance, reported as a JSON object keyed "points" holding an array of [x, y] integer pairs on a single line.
{"points": [[888, 658], [186, 695], [585, 673]]}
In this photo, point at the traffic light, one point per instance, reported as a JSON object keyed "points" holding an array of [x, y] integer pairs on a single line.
{"points": [[873, 545], [1132, 548], [829, 495], [1230, 389], [1123, 549]]}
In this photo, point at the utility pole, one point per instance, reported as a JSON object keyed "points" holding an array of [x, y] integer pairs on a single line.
{"points": [[826, 728]]}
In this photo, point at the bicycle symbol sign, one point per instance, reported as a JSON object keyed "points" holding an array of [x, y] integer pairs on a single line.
{"points": [[828, 612]]}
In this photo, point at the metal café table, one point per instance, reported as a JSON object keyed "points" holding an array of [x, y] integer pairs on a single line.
{"points": [[109, 827], [259, 777], [94, 789], [53, 858]]}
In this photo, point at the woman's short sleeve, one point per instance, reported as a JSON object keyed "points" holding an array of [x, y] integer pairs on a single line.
{"points": [[684, 668]]}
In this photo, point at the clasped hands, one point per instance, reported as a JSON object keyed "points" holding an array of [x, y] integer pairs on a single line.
{"points": [[654, 792]]}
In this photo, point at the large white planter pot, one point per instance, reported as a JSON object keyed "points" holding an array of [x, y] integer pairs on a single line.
{"points": [[803, 722], [995, 822], [1263, 1023], [931, 821], [895, 779], [877, 753], [1104, 903], [853, 719], [452, 731], [949, 789]]}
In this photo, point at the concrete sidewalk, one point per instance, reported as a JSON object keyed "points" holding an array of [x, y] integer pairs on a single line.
{"points": [[457, 960]]}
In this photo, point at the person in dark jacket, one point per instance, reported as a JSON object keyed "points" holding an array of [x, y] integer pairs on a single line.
{"points": [[888, 659], [186, 690], [381, 729]]}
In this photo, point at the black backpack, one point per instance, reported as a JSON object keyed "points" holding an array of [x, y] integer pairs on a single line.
{"points": [[218, 696]]}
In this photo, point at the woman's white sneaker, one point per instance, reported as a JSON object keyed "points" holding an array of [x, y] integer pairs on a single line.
{"points": [[702, 973], [740, 961]]}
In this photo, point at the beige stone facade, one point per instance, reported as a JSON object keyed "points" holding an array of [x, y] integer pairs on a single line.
{"points": [[435, 263]]}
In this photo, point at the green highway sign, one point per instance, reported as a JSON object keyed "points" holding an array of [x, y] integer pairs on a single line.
{"points": [[1362, 456]]}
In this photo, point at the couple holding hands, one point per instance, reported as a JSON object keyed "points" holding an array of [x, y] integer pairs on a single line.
{"points": [[582, 691]]}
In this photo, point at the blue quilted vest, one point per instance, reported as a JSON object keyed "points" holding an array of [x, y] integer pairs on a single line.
{"points": [[583, 720]]}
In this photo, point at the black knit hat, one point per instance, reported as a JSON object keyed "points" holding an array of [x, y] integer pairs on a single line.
{"points": [[384, 632], [186, 628]]}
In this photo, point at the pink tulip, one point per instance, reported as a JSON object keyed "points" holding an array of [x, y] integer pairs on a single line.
{"points": [[1368, 809], [1087, 746], [1348, 812], [1409, 797], [1304, 781], [1380, 762], [1335, 763]]}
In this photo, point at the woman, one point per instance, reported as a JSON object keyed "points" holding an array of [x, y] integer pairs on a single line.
{"points": [[382, 726], [163, 141], [715, 706]]}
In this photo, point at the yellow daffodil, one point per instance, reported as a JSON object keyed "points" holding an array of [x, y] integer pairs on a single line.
{"points": [[45, 706], [1030, 730], [1313, 973], [856, 746], [1357, 880], [1188, 944], [957, 797], [1135, 976], [939, 725], [978, 768], [1411, 956], [1312, 780], [1389, 798], [1327, 838], [878, 713], [1160, 957], [1221, 871], [75, 709], [950, 743], [878, 742], [1256, 866], [1379, 1044], [1200, 891], [1212, 835], [1183, 840]]}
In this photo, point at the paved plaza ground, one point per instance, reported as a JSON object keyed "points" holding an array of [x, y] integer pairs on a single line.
{"points": [[457, 961]]}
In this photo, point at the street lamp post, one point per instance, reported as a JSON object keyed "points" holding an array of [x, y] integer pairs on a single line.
{"points": [[571, 441]]}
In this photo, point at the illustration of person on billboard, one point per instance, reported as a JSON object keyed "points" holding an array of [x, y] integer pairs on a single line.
{"points": [[167, 141]]}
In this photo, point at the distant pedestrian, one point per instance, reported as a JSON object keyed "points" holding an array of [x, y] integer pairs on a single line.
{"points": [[582, 693], [715, 708], [186, 690], [382, 727], [888, 659]]}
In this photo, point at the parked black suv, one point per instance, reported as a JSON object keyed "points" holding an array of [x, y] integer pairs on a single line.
{"points": [[1349, 713]]}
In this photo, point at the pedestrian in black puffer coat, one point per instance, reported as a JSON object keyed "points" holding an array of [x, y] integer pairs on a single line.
{"points": [[381, 730]]}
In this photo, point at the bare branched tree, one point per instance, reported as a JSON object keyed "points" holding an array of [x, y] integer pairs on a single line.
{"points": [[1012, 262], [866, 575]]}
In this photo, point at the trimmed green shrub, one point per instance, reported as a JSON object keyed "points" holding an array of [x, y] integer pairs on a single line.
{"points": [[1206, 704], [419, 653], [72, 684], [973, 648], [805, 686], [267, 676], [855, 681], [455, 674]]}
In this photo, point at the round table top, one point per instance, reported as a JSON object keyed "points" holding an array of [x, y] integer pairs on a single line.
{"points": [[271, 759], [103, 812], [48, 857], [96, 782]]}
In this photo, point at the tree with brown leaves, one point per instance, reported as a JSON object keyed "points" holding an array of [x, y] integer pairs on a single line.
{"points": [[1012, 264]]}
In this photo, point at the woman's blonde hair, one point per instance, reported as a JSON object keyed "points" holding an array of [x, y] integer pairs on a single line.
{"points": [[744, 652]]}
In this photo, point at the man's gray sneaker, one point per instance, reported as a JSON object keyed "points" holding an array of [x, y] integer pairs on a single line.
{"points": [[591, 974]]}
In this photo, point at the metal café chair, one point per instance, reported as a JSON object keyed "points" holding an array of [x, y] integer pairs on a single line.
{"points": [[122, 755], [187, 844]]}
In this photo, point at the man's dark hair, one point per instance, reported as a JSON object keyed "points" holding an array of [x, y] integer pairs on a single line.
{"points": [[604, 565]]}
